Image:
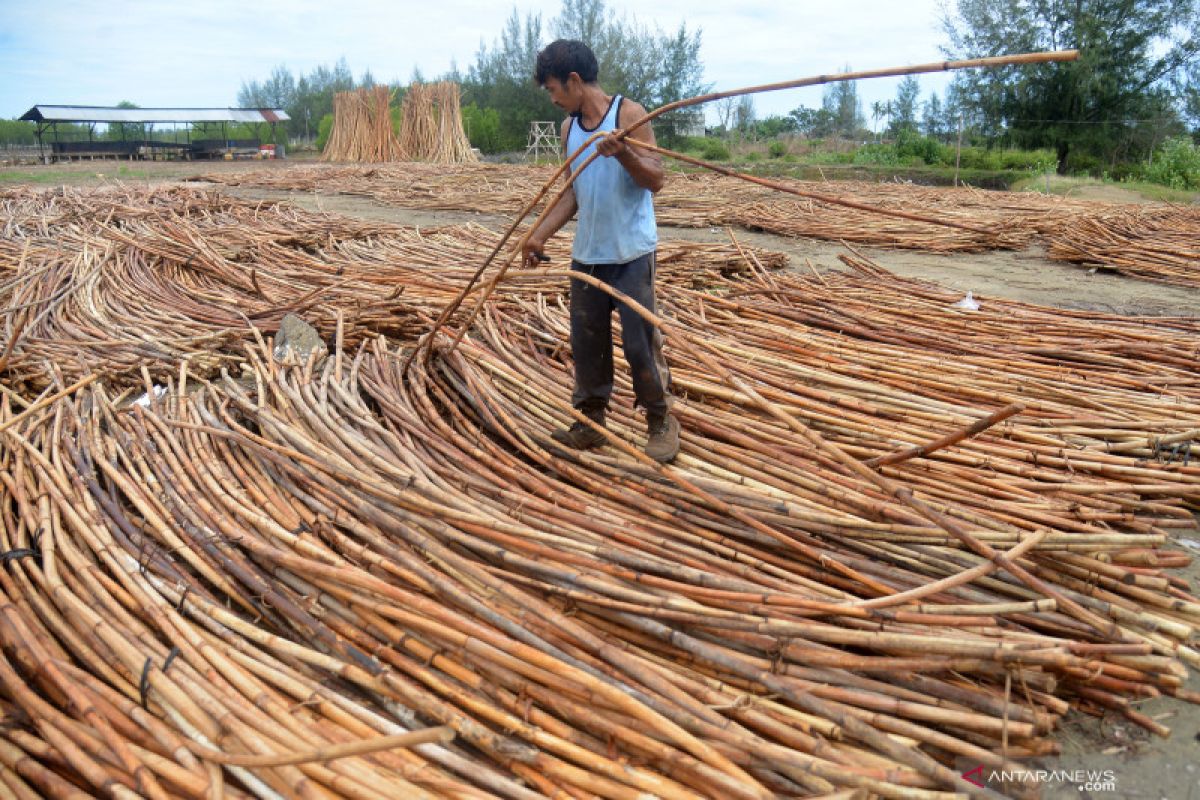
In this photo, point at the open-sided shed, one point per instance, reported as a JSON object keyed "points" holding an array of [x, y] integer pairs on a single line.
{"points": [[47, 118]]}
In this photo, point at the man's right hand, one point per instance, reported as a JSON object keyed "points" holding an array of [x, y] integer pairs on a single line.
{"points": [[533, 253]]}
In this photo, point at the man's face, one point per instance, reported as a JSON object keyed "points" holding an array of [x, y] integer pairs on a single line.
{"points": [[566, 95]]}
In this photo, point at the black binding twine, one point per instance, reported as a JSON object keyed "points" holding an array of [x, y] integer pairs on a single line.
{"points": [[144, 683]]}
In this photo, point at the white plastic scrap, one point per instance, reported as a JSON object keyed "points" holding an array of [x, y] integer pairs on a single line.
{"points": [[968, 303], [1192, 543], [144, 400]]}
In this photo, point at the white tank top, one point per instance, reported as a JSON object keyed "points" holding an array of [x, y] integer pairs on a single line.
{"points": [[616, 216]]}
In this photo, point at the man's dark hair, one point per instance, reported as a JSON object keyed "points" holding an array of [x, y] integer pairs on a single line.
{"points": [[564, 56]]}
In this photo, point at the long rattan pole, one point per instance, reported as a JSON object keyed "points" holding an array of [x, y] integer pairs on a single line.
{"points": [[815, 80]]}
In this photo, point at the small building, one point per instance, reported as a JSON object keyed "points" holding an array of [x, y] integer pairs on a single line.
{"points": [[141, 144]]}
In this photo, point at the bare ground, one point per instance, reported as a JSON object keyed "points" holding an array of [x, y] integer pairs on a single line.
{"points": [[1144, 766]]}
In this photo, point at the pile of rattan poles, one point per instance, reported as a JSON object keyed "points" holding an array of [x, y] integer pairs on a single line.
{"points": [[431, 126], [362, 127], [1152, 241], [130, 279], [692, 200], [257, 565]]}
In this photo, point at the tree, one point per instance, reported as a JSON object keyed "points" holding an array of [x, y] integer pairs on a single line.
{"points": [[681, 77], [502, 79], [812, 122], [126, 131], [645, 64], [840, 100], [775, 126], [1186, 85], [306, 99], [933, 119], [726, 109], [16, 132], [1131, 52], [744, 115], [642, 63], [877, 112], [904, 107], [482, 126]]}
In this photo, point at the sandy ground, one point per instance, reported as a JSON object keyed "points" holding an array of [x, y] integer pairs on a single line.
{"points": [[1143, 766]]}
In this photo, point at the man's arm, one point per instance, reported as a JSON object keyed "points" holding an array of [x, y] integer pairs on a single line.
{"points": [[644, 167], [558, 216]]}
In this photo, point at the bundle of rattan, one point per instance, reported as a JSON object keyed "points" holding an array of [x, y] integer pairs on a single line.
{"points": [[362, 127], [1158, 243], [431, 125]]}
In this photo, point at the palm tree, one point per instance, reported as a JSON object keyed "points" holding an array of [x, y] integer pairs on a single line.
{"points": [[877, 111]]}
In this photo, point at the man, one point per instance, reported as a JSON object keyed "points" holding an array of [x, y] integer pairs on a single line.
{"points": [[615, 240]]}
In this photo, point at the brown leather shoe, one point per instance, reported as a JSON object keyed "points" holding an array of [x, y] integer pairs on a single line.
{"points": [[580, 436], [662, 438]]}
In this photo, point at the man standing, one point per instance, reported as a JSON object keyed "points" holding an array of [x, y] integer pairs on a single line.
{"points": [[615, 240]]}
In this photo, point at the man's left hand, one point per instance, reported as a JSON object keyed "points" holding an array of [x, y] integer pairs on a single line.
{"points": [[610, 145]]}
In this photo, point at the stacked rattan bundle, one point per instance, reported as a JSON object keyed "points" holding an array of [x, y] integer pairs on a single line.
{"points": [[431, 124], [362, 127]]}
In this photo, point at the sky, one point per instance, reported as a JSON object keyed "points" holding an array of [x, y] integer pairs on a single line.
{"points": [[198, 54]]}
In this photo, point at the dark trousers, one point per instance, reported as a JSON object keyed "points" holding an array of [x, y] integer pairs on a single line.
{"points": [[592, 340]]}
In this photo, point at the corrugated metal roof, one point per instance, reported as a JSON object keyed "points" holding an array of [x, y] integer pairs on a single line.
{"points": [[181, 115]]}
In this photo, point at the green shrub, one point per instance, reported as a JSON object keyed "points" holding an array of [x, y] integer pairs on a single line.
{"points": [[1036, 160], [1176, 164], [714, 150], [1086, 164], [883, 154], [482, 126], [911, 146], [777, 149], [979, 158], [324, 128], [16, 132], [753, 156]]}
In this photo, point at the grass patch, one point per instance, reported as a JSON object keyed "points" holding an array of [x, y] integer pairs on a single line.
{"points": [[925, 175], [92, 173], [1094, 188], [54, 176]]}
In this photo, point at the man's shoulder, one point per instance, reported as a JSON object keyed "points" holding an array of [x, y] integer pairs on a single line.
{"points": [[630, 110]]}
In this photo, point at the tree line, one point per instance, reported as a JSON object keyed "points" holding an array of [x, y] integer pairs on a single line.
{"points": [[1134, 87], [499, 95]]}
